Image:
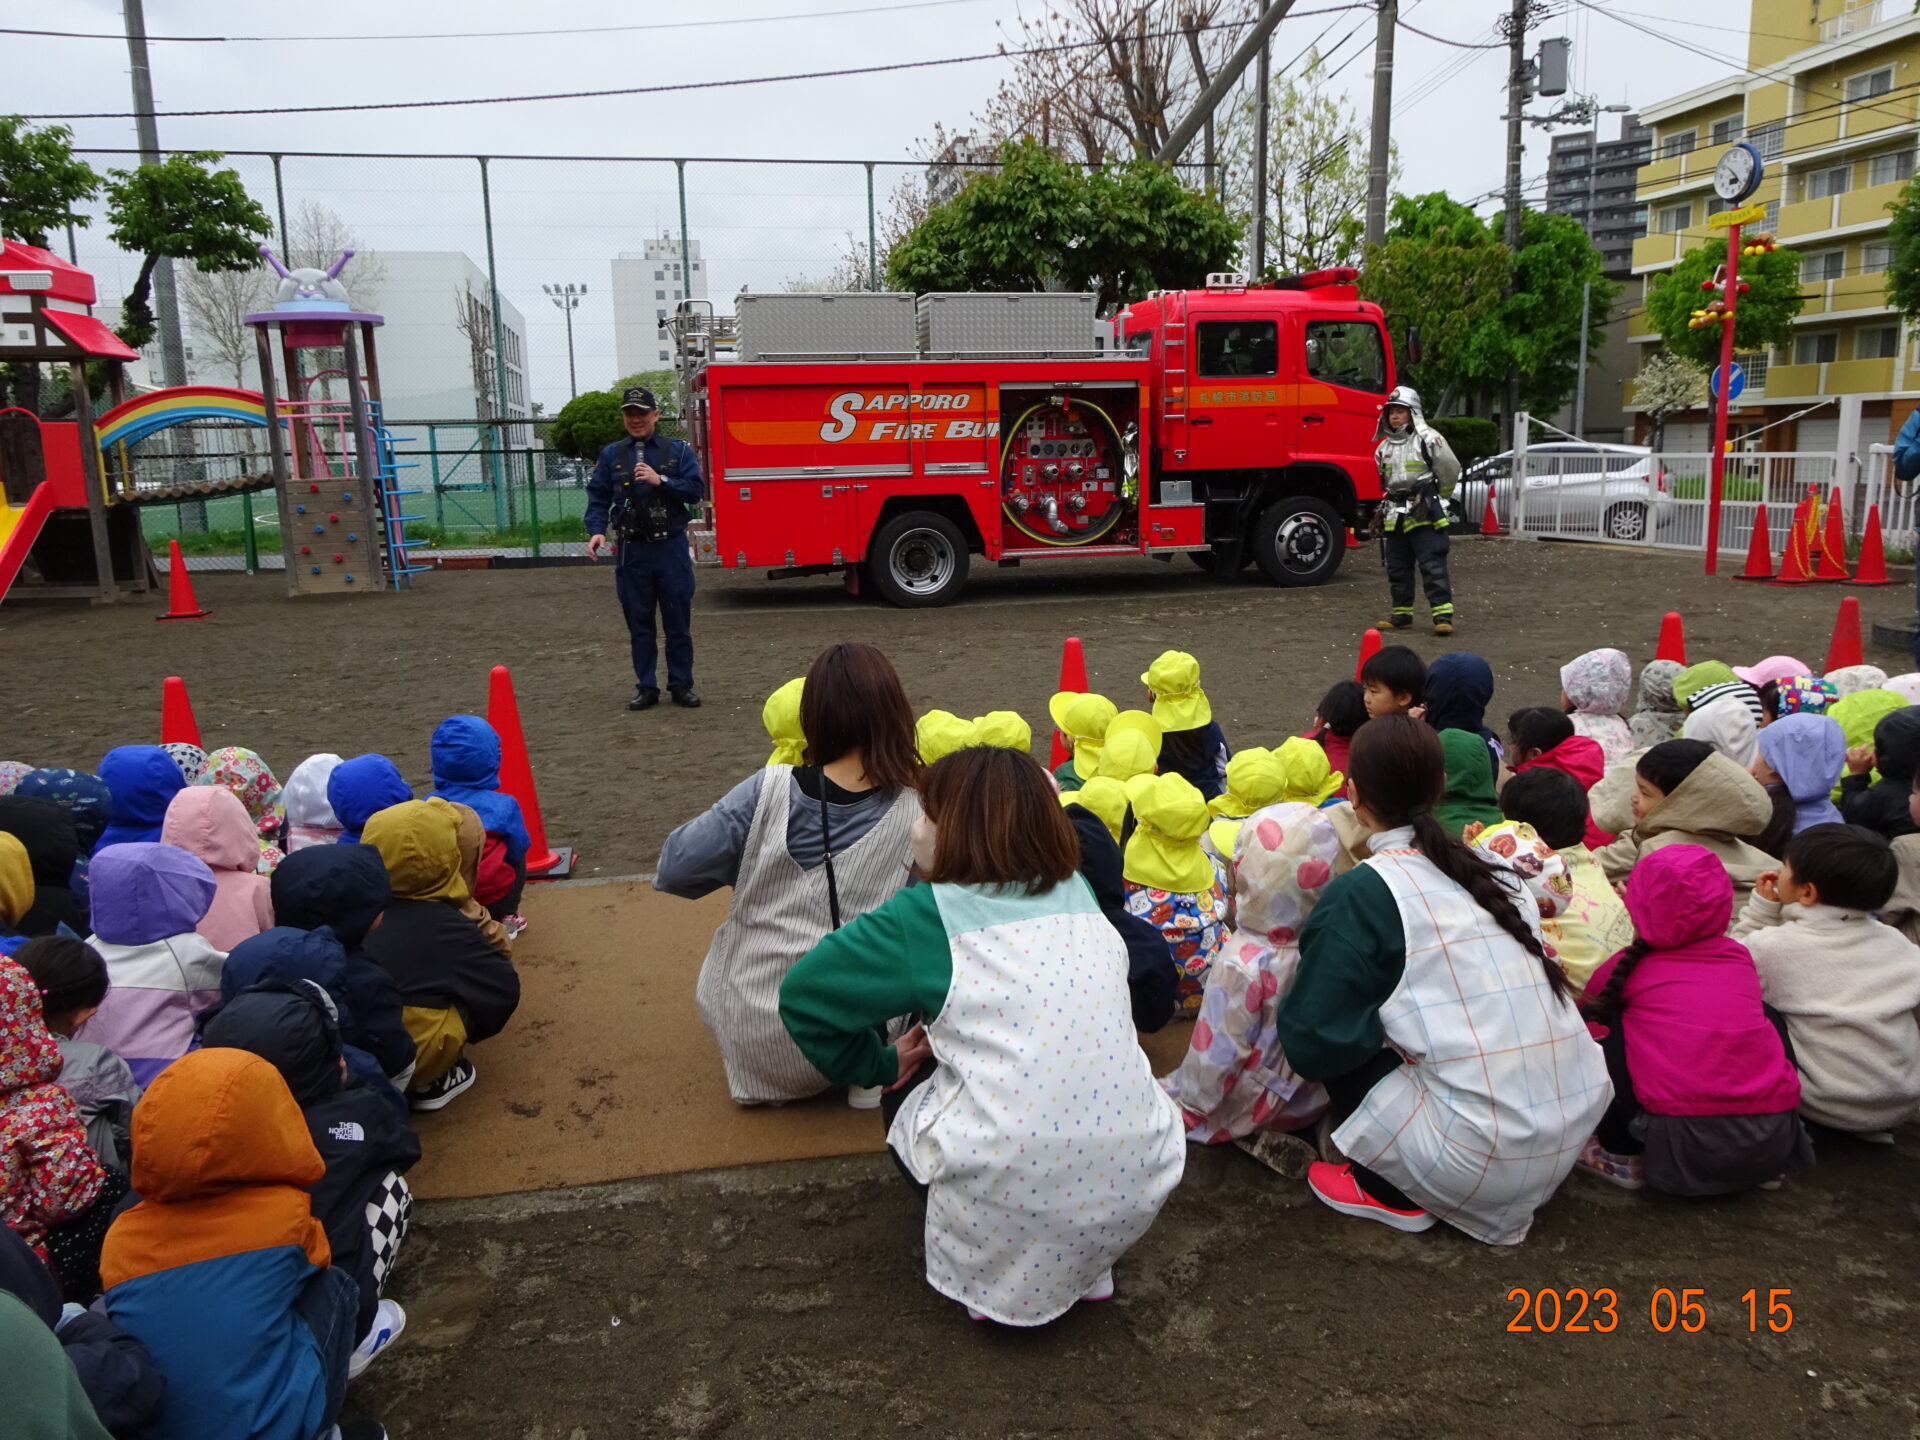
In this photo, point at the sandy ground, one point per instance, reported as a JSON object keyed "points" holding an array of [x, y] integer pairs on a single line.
{"points": [[377, 672], [788, 1300]]}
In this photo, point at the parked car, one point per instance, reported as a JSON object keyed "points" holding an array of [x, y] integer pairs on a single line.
{"points": [[1616, 492]]}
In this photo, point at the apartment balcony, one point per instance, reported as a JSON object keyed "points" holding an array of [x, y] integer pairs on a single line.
{"points": [[1639, 325], [1848, 293], [1858, 377], [1693, 168], [1791, 380], [1868, 205], [1862, 16], [1660, 249]]}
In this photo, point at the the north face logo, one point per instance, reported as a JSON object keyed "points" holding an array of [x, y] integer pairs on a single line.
{"points": [[348, 1130]]}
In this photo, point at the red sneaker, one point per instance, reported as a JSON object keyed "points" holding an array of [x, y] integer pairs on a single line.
{"points": [[1336, 1188]]}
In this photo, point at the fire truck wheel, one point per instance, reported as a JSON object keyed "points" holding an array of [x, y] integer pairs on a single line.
{"points": [[1207, 561], [918, 559], [1299, 540]]}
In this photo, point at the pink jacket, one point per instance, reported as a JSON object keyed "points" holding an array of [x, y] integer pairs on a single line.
{"points": [[208, 821], [1697, 1040], [1586, 762]]}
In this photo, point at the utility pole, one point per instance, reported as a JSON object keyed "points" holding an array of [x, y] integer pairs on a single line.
{"points": [[1380, 157], [1519, 85], [166, 300], [1262, 79]]}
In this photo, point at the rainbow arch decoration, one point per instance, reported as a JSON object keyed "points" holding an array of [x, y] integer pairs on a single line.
{"points": [[157, 410]]}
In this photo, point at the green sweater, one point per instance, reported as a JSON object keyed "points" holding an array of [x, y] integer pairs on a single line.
{"points": [[893, 960], [1353, 953]]}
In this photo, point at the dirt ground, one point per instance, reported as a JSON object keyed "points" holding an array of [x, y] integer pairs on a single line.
{"points": [[377, 672], [788, 1300]]}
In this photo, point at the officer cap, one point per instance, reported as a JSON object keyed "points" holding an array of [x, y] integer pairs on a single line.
{"points": [[638, 397]]}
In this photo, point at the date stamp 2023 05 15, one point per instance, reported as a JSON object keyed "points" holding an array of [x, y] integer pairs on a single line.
{"points": [[1578, 1311]]}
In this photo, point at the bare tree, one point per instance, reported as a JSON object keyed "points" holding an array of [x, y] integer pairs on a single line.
{"points": [[217, 307], [1123, 91], [473, 318]]}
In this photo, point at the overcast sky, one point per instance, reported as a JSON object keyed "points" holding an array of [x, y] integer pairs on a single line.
{"points": [[758, 225]]}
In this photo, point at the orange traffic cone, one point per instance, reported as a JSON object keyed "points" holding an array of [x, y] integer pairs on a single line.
{"points": [[177, 725], [1673, 639], [1369, 647], [1872, 569], [1794, 569], [516, 777], [1490, 519], [1833, 546], [180, 602], [1844, 649], [1073, 676], [1759, 548], [1354, 542]]}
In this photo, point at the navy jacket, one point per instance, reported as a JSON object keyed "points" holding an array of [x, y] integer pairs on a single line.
{"points": [[1151, 980], [680, 476], [1906, 449], [366, 1003]]}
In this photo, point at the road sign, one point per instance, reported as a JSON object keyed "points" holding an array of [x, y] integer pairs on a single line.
{"points": [[1736, 217], [1739, 382]]}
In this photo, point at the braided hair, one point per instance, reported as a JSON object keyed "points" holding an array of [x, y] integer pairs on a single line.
{"points": [[1399, 771], [1612, 998]]}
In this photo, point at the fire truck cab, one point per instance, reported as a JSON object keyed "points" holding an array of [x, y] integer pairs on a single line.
{"points": [[894, 438]]}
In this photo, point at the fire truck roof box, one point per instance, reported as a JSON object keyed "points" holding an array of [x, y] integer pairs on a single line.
{"points": [[1006, 326], [851, 325]]}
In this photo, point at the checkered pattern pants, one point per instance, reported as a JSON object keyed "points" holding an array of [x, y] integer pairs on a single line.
{"points": [[387, 1215]]}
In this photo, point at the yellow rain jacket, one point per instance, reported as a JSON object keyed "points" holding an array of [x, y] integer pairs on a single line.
{"points": [[1178, 701], [420, 842], [1164, 851], [781, 716]]}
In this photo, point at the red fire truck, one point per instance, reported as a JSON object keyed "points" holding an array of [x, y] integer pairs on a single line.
{"points": [[1233, 424]]}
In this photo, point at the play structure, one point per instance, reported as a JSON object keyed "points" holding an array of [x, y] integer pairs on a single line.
{"points": [[69, 525]]}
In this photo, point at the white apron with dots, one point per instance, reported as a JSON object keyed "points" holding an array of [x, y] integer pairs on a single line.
{"points": [[1046, 1145]]}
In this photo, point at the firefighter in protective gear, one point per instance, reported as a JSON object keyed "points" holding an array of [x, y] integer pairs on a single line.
{"points": [[1417, 475]]}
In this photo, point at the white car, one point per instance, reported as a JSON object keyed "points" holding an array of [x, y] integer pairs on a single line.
{"points": [[1615, 492]]}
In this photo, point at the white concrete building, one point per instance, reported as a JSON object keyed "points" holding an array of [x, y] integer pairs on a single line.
{"points": [[646, 288]]}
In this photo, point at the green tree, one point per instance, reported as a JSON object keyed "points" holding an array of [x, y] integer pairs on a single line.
{"points": [[660, 382], [42, 185], [1763, 314], [185, 209], [1540, 320], [1039, 223], [1903, 238], [586, 425]]}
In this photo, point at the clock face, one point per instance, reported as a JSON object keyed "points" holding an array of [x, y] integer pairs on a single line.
{"points": [[1737, 174]]}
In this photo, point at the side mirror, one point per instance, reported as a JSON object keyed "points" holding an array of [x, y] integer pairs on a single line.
{"points": [[1412, 356]]}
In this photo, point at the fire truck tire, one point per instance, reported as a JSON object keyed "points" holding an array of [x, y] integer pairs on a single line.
{"points": [[1299, 540], [1207, 561], [918, 560]]}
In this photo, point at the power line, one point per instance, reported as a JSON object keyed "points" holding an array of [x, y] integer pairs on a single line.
{"points": [[1457, 44]]}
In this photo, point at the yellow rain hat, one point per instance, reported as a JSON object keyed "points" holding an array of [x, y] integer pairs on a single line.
{"points": [[1126, 754], [1003, 729], [1311, 778], [1223, 835], [1083, 719], [1164, 851], [781, 716], [1178, 701], [939, 733], [1105, 798], [1255, 778]]}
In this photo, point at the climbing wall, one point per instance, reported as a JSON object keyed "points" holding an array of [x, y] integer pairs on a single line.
{"points": [[336, 537]]}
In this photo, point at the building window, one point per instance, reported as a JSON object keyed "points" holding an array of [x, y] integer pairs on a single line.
{"points": [[1876, 342], [1875, 256], [659, 275], [1681, 144], [1771, 220], [663, 355], [659, 294], [1769, 139], [1886, 169], [1819, 184], [1823, 265], [1675, 218], [1821, 348], [1865, 87], [1726, 131]]}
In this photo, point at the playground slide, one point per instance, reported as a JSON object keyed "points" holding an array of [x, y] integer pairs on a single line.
{"points": [[19, 528]]}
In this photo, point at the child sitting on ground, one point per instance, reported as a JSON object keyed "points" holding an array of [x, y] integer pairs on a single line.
{"points": [[142, 780], [1342, 710], [147, 902], [1256, 778], [87, 800], [455, 988], [221, 1269], [1705, 1099], [1687, 793], [251, 781], [1593, 689], [1469, 798], [1902, 911], [466, 771], [1591, 923], [1882, 803], [52, 849], [1458, 690], [1799, 761], [310, 819], [16, 893], [1848, 986], [208, 821], [361, 788], [1192, 745], [1542, 738], [54, 1192], [781, 718], [1310, 779], [1658, 715], [1150, 974], [72, 980], [365, 1143], [1392, 681], [1234, 1082], [1082, 720], [1170, 881]]}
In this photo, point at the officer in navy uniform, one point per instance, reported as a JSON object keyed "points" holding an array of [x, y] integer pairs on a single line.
{"points": [[638, 504]]}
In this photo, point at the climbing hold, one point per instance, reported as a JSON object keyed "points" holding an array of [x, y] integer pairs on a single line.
{"points": [[351, 536], [346, 497], [339, 559], [313, 489], [306, 549], [299, 509], [319, 529], [333, 519], [316, 569], [349, 579]]}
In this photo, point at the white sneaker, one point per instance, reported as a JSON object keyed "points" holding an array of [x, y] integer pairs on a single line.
{"points": [[388, 1321], [515, 925], [1101, 1289], [864, 1097]]}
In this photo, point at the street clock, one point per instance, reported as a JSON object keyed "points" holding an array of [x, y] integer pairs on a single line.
{"points": [[1738, 174]]}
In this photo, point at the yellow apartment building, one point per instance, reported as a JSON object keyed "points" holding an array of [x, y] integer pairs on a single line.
{"points": [[1831, 99]]}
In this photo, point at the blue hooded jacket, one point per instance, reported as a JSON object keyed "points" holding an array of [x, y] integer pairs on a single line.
{"points": [[361, 788], [1808, 753], [1458, 690], [142, 779], [87, 799], [466, 771]]}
